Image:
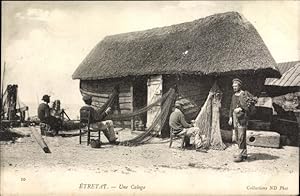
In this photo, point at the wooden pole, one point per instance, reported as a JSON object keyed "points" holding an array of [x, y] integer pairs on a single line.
{"points": [[2, 84], [131, 107], [66, 114], [40, 140]]}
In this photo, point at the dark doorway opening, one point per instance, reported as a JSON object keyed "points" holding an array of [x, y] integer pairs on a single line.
{"points": [[140, 101]]}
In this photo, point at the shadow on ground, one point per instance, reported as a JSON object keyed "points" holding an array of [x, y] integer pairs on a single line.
{"points": [[7, 135], [260, 156]]}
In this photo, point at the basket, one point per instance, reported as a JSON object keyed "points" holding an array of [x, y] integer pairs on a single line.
{"points": [[95, 143]]}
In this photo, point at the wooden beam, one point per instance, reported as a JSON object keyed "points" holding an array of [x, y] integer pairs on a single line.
{"points": [[40, 140], [131, 106], [95, 94]]}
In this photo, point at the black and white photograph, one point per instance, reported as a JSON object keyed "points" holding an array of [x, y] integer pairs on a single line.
{"points": [[150, 97]]}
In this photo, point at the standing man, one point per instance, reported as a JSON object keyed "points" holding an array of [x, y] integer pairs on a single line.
{"points": [[238, 117], [179, 126], [97, 122]]}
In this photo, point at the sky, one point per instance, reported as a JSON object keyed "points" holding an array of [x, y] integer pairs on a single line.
{"points": [[44, 42]]}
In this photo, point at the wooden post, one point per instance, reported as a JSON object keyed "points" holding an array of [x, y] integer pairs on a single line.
{"points": [[40, 140], [117, 103], [154, 92], [131, 107]]}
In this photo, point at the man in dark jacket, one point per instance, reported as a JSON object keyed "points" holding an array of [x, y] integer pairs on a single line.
{"points": [[45, 117], [238, 117], [179, 126], [97, 118]]}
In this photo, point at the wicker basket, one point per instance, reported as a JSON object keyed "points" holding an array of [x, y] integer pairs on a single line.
{"points": [[95, 143]]}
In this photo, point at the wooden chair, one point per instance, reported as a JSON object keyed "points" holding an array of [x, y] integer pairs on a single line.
{"points": [[176, 136], [85, 123]]}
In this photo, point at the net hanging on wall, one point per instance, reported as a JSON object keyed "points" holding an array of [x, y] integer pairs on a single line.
{"points": [[161, 118]]}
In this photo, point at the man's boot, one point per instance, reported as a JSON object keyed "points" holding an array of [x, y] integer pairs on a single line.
{"points": [[187, 142]]}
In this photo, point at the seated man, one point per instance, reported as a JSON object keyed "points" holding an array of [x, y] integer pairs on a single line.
{"points": [[96, 120], [179, 125], [46, 119]]}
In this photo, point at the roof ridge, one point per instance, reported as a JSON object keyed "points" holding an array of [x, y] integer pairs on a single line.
{"points": [[207, 47], [207, 19]]}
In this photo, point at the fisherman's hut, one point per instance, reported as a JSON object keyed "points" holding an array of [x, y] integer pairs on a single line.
{"points": [[285, 96], [289, 82], [191, 55]]}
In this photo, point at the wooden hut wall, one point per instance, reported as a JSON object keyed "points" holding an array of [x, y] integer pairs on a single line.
{"points": [[100, 90], [192, 91]]}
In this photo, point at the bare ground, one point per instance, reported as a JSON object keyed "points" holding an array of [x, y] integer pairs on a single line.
{"points": [[25, 158]]}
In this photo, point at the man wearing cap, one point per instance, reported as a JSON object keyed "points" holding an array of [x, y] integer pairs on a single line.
{"points": [[97, 120], [179, 125], [238, 117], [48, 121]]}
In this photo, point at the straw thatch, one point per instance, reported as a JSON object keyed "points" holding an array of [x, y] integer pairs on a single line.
{"points": [[218, 44]]}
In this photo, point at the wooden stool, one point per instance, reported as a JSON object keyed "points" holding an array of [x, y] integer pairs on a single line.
{"points": [[176, 136]]}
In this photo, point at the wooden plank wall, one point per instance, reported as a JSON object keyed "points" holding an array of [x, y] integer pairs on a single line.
{"points": [[193, 91], [100, 91]]}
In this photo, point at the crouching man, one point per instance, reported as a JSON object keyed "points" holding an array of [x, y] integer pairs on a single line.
{"points": [[180, 127], [96, 118]]}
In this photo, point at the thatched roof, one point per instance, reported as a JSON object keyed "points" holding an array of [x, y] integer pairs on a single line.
{"points": [[290, 75], [218, 44]]}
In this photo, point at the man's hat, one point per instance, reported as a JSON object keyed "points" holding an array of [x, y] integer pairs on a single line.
{"points": [[236, 80], [86, 98], [46, 98], [178, 104]]}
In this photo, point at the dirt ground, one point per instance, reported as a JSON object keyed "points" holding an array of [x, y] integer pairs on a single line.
{"points": [[155, 165]]}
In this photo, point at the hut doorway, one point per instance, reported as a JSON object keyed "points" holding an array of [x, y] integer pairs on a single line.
{"points": [[140, 101]]}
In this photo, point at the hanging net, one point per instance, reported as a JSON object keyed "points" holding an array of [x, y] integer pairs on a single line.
{"points": [[167, 100], [111, 100], [208, 119], [161, 118], [139, 111]]}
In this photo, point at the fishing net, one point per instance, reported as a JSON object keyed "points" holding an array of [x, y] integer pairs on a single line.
{"points": [[208, 120], [167, 100], [111, 100], [139, 111], [160, 118]]}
